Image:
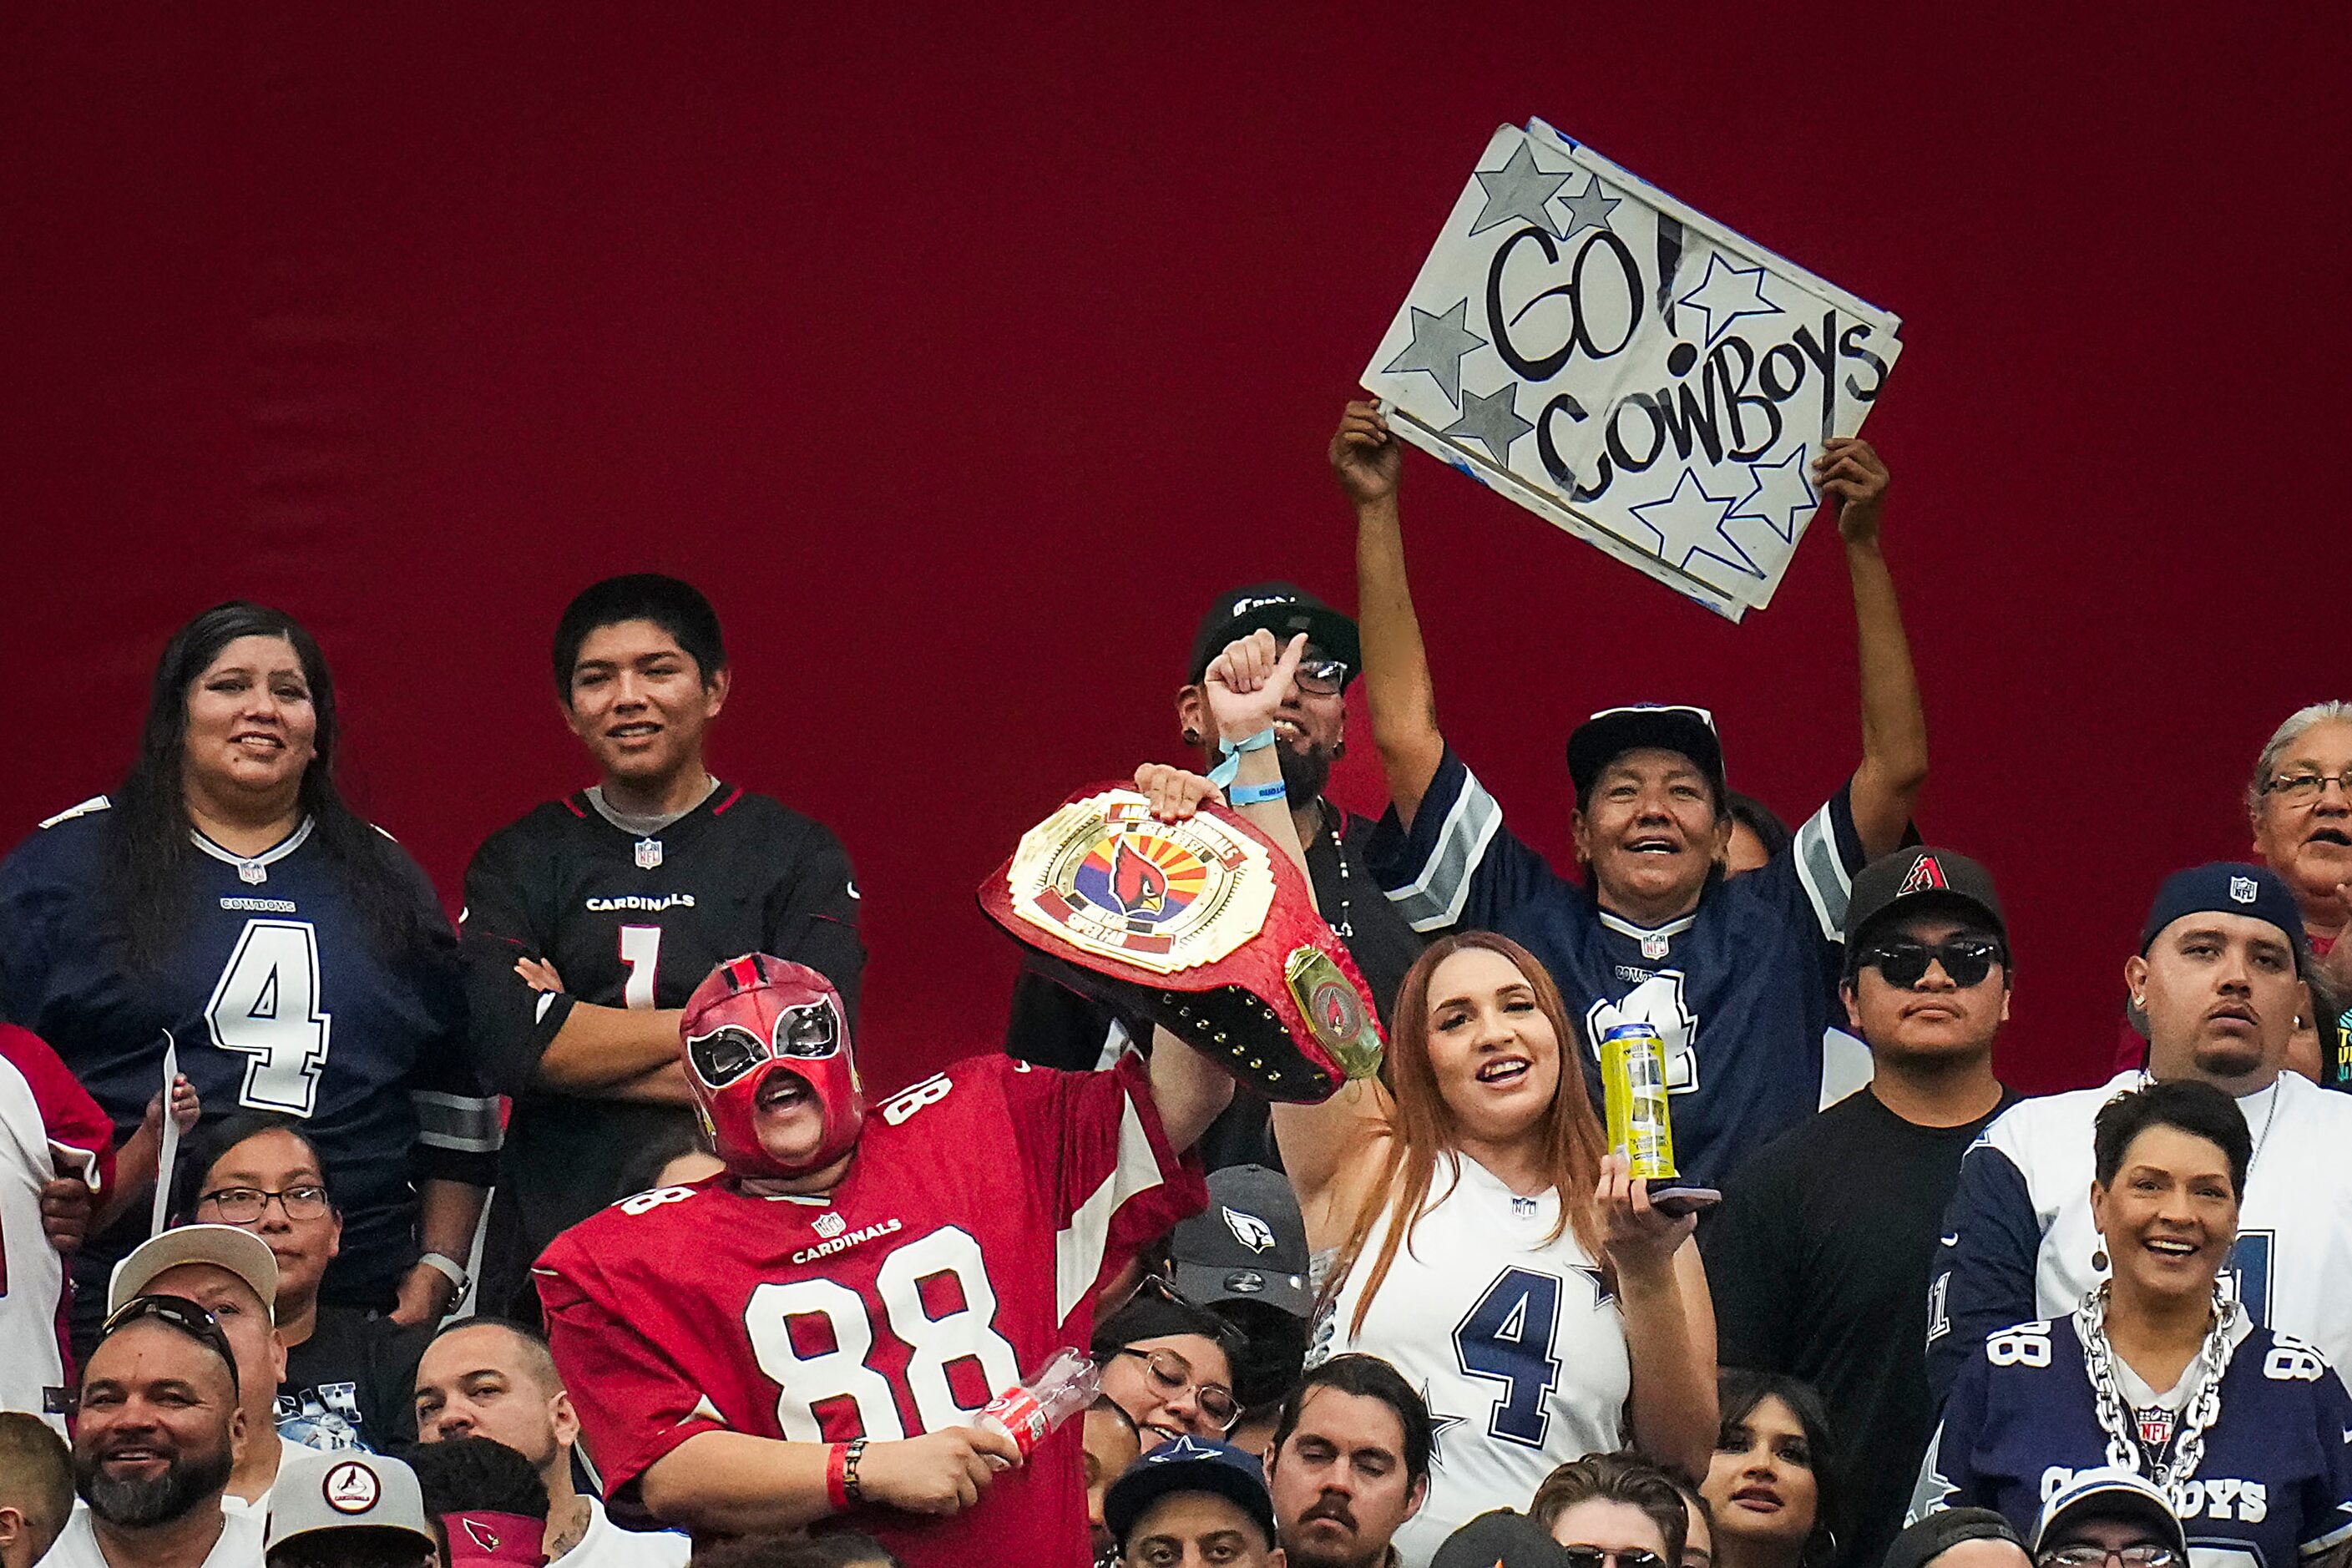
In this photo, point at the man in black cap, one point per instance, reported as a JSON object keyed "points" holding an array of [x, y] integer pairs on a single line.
{"points": [[1736, 974], [1194, 1501], [1055, 1026], [1958, 1537], [1244, 1257], [1820, 1260], [2219, 977]]}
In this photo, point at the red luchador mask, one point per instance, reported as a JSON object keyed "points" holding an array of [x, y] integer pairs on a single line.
{"points": [[756, 1017]]}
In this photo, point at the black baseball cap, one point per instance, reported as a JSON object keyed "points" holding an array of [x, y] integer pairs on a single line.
{"points": [[1922, 875], [1248, 1245], [1285, 610], [1937, 1534], [1187, 1465], [2230, 887], [1501, 1539], [1613, 731]]}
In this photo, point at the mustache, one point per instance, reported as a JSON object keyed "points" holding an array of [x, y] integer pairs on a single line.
{"points": [[1333, 1509]]}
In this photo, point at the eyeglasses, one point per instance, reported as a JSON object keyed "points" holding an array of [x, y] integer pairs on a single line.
{"points": [[1965, 959], [246, 1205], [182, 1314], [1325, 676], [2146, 1556], [1602, 1557], [1172, 1376], [2295, 789]]}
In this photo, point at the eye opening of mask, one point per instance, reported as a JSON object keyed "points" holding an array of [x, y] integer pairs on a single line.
{"points": [[725, 1053], [806, 1032]]}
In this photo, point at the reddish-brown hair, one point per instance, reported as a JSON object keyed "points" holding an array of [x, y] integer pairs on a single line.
{"points": [[1422, 1127]]}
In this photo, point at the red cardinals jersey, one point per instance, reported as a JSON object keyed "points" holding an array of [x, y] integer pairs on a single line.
{"points": [[50, 1127], [983, 1209]]}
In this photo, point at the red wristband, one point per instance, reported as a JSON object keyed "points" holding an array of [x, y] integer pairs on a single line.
{"points": [[836, 1475]]}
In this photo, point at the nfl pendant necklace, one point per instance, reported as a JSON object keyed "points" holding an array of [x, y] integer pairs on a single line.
{"points": [[2121, 1426], [649, 852]]}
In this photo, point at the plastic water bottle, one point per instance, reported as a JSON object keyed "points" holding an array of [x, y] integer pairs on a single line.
{"points": [[1033, 1407]]}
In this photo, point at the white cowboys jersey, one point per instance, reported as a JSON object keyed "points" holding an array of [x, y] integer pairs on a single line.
{"points": [[1518, 1345], [2018, 1240]]}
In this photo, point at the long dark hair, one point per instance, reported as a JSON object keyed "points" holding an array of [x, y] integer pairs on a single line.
{"points": [[1738, 1391], [150, 852]]}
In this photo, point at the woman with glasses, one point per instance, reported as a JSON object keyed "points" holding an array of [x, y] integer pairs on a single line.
{"points": [[1168, 1365], [2161, 1370], [1478, 1239], [349, 1372], [1771, 1507], [225, 899], [1613, 1510]]}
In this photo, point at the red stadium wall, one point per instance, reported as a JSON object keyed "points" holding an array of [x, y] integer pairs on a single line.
{"points": [[960, 358]]}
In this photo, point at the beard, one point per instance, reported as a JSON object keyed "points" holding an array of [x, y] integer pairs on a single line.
{"points": [[137, 1503], [1305, 772]]}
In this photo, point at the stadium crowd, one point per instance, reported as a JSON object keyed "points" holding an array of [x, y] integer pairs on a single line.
{"points": [[335, 1236]]}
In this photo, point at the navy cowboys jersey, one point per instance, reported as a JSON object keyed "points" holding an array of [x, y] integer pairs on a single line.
{"points": [[627, 921], [2274, 1484], [1740, 989], [2017, 1239], [279, 998]]}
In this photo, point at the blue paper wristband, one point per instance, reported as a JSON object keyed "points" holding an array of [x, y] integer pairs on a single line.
{"points": [[1256, 793], [1223, 774]]}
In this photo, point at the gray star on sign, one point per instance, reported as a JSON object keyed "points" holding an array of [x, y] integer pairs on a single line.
{"points": [[1517, 192], [1438, 344], [1492, 417], [1589, 210]]}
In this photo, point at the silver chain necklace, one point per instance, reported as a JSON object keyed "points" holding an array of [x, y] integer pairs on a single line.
{"points": [[2123, 1450]]}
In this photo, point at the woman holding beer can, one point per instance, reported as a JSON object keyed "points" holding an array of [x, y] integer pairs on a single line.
{"points": [[1473, 1226]]}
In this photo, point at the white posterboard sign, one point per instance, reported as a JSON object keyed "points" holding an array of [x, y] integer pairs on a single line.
{"points": [[167, 1155], [1629, 369]]}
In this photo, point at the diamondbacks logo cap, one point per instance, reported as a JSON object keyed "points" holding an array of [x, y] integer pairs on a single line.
{"points": [[1918, 875], [2227, 888], [1200, 925]]}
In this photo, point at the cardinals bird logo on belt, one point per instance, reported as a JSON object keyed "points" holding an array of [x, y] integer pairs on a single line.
{"points": [[1106, 876]]}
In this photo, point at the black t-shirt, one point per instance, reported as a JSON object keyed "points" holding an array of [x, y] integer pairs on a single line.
{"points": [[627, 921], [1053, 1025], [1817, 1262], [353, 1383]]}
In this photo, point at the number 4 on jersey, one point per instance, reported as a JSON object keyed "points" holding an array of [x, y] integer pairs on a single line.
{"points": [[265, 1005], [1507, 1337]]}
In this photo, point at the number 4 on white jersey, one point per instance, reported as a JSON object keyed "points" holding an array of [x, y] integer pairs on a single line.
{"points": [[265, 1005]]}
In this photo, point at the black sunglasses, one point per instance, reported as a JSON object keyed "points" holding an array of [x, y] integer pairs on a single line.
{"points": [[1904, 962], [1602, 1557], [181, 1313]]}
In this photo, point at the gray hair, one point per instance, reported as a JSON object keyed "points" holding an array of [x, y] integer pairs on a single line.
{"points": [[2286, 735]]}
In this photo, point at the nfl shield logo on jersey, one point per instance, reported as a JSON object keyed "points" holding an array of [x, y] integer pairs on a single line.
{"points": [[829, 1225], [253, 872], [648, 854], [2242, 889]]}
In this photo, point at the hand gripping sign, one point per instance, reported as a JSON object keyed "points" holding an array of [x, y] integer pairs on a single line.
{"points": [[1629, 369], [1201, 926]]}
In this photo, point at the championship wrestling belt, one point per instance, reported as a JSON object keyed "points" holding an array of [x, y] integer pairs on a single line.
{"points": [[1200, 925]]}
